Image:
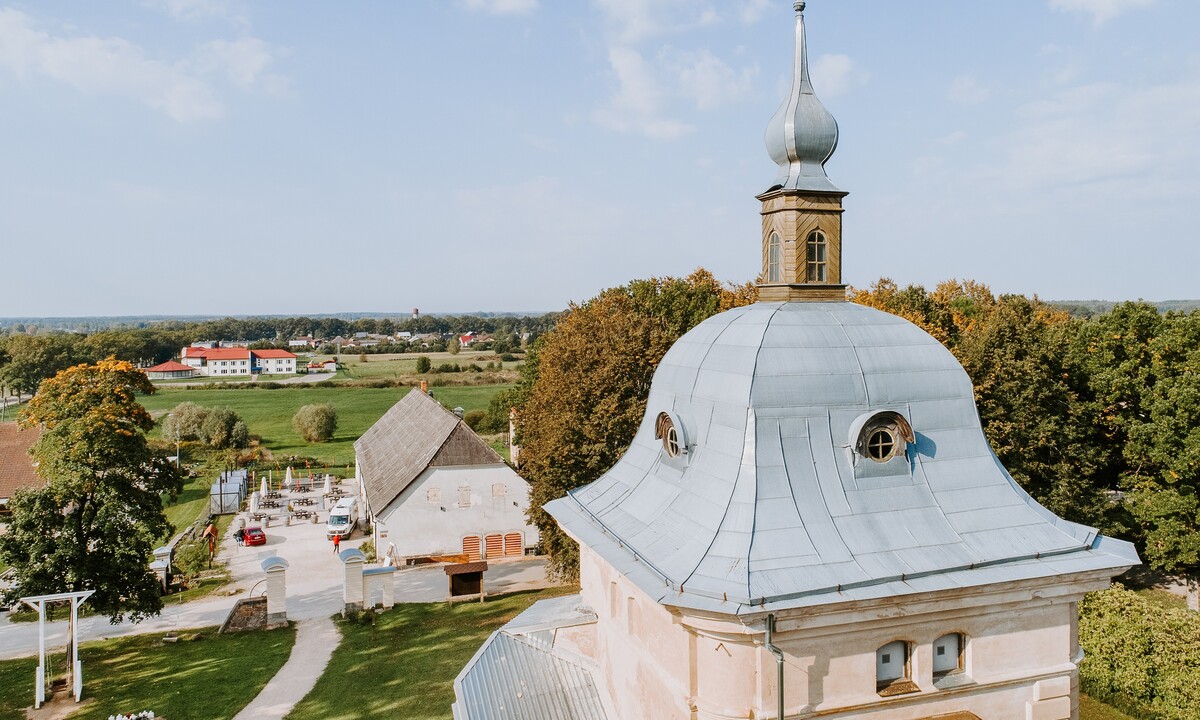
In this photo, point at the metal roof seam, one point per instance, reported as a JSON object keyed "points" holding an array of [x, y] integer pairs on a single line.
{"points": [[857, 359]]}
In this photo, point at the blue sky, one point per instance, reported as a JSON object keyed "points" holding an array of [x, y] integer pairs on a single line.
{"points": [[226, 157]]}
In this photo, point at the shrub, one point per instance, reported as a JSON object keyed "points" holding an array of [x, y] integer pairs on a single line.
{"points": [[185, 422], [191, 559], [1140, 657], [507, 357], [473, 418], [316, 423], [423, 364], [218, 428], [368, 551]]}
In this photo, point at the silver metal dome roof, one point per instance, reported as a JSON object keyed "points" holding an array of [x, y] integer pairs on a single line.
{"points": [[770, 507], [802, 134]]}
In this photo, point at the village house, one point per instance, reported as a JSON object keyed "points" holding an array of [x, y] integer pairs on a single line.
{"points": [[809, 521], [432, 487], [170, 370], [304, 341], [17, 468]]}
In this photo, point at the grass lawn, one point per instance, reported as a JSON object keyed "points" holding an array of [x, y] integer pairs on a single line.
{"points": [[1090, 709], [408, 660], [405, 364], [204, 675], [268, 413]]}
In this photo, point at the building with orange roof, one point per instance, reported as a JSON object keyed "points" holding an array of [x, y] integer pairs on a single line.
{"points": [[17, 468]]}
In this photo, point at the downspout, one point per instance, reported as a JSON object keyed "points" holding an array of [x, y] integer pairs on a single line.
{"points": [[778, 660]]}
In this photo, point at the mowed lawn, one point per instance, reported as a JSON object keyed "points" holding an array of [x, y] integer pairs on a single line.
{"points": [[268, 413], [202, 676], [405, 664]]}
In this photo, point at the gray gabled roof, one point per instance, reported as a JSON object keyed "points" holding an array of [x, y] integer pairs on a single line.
{"points": [[414, 434], [769, 507]]}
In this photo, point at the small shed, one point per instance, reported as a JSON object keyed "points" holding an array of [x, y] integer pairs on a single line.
{"points": [[228, 492], [466, 580]]}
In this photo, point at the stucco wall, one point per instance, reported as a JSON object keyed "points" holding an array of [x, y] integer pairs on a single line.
{"points": [[419, 527], [1019, 655]]}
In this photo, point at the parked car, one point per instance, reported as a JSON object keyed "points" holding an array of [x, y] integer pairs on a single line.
{"points": [[255, 536]]}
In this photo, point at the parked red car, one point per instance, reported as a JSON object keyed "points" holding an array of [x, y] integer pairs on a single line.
{"points": [[255, 536]]}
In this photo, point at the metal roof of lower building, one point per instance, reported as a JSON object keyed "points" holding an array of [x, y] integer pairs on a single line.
{"points": [[511, 678]]}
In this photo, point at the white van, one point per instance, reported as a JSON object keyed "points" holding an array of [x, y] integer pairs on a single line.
{"points": [[343, 518]]}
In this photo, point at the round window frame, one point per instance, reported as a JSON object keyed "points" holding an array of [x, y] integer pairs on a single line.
{"points": [[668, 430], [888, 436]]}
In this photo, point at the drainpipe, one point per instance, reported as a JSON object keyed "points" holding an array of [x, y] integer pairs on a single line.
{"points": [[778, 660]]}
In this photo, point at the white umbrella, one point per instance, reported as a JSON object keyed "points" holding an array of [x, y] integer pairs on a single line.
{"points": [[328, 485], [254, 501], [287, 480], [263, 490]]}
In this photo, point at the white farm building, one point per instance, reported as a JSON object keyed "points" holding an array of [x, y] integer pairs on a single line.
{"points": [[432, 487]]}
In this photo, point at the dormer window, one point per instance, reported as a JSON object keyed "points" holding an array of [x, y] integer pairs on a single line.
{"points": [[671, 435], [815, 248], [881, 436]]}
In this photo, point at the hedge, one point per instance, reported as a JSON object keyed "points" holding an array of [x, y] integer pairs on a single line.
{"points": [[1139, 656]]}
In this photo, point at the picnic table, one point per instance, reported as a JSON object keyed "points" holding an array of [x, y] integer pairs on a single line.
{"points": [[303, 514], [269, 504], [304, 501], [260, 516]]}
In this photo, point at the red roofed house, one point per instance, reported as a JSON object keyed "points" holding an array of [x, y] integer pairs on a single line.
{"points": [[273, 362], [170, 370], [221, 362], [16, 465]]}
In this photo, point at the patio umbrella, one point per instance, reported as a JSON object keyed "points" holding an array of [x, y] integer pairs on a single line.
{"points": [[328, 485], [287, 480], [254, 501], [263, 490]]}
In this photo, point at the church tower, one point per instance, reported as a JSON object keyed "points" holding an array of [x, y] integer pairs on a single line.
{"points": [[802, 210]]}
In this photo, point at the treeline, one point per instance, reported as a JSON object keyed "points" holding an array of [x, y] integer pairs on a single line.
{"points": [[1098, 419], [27, 358]]}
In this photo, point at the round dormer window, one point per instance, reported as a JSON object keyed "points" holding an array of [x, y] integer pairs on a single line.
{"points": [[665, 430], [881, 435], [881, 445]]}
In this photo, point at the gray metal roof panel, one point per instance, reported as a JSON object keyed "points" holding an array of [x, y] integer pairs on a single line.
{"points": [[512, 679]]}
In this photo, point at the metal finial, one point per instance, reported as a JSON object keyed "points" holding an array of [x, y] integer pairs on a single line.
{"points": [[798, 6]]}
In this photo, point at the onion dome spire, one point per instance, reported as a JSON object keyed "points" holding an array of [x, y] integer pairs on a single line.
{"points": [[802, 135]]}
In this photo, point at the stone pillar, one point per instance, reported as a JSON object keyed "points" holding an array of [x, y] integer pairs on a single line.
{"points": [[276, 569], [352, 579]]}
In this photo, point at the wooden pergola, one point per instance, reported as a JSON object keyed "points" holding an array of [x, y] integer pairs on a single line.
{"points": [[38, 602]]}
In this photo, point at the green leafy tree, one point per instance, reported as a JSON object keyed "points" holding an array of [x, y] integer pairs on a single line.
{"points": [[185, 422], [96, 522], [453, 346], [316, 422], [33, 358], [1033, 404], [584, 390], [423, 364]]}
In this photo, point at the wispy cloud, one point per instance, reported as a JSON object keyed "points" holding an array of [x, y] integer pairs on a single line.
{"points": [[966, 90], [640, 102], [182, 89], [634, 21], [1101, 10], [502, 7], [202, 10], [751, 11], [834, 75]]}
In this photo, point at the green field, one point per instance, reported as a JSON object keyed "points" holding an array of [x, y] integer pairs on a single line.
{"points": [[408, 658], [397, 366], [268, 413], [204, 675]]}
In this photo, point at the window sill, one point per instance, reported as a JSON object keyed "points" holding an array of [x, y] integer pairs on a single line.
{"points": [[953, 680], [898, 687]]}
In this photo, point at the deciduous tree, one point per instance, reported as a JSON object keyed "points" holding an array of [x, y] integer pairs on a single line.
{"points": [[316, 422], [96, 522]]}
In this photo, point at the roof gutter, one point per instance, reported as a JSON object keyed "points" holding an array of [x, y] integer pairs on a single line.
{"points": [[778, 661]]}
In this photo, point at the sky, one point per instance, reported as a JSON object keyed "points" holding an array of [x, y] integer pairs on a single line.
{"points": [[289, 157]]}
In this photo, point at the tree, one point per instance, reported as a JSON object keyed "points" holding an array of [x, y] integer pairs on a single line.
{"points": [[216, 427], [316, 422], [33, 358], [583, 391], [453, 346], [96, 522], [423, 364]]}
